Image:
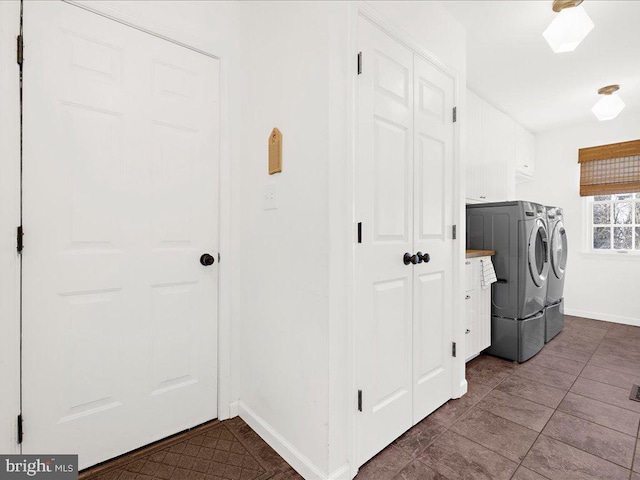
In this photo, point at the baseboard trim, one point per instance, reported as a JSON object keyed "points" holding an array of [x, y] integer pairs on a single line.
{"points": [[234, 409], [462, 389], [291, 454], [603, 316], [341, 473]]}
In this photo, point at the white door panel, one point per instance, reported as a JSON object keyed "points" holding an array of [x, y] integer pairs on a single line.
{"points": [[384, 199], [403, 197], [120, 200], [433, 219]]}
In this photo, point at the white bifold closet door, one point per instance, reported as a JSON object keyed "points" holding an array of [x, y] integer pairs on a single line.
{"points": [[403, 195], [121, 155]]}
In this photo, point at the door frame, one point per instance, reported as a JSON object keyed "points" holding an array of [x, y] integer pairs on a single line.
{"points": [[9, 221], [10, 204], [459, 383]]}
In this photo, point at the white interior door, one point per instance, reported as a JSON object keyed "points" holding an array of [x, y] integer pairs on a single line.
{"points": [[432, 234], [120, 192], [403, 197], [384, 205]]}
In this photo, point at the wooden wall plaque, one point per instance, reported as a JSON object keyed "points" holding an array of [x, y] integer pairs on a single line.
{"points": [[275, 151]]}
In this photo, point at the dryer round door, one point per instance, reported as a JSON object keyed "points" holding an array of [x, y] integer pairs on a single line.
{"points": [[559, 249], [539, 253]]}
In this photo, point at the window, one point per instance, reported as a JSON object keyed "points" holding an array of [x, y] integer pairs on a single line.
{"points": [[615, 222]]}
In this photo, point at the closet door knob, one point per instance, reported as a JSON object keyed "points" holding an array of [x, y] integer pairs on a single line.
{"points": [[408, 258], [207, 259], [424, 257]]}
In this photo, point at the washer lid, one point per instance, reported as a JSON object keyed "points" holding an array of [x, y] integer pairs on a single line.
{"points": [[539, 253], [559, 249]]}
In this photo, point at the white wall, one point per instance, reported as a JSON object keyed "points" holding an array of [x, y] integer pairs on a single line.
{"points": [[294, 309], [284, 378], [600, 287]]}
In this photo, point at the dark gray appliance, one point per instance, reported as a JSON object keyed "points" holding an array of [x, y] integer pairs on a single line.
{"points": [[558, 252], [517, 231]]}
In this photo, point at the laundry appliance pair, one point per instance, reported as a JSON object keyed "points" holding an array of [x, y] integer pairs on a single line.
{"points": [[530, 261]]}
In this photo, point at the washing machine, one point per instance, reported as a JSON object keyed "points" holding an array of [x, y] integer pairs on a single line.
{"points": [[558, 253], [517, 232]]}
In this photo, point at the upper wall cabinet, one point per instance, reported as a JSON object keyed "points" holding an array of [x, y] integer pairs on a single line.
{"points": [[497, 151], [525, 154]]}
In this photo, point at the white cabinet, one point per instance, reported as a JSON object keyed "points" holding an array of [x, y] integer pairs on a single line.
{"points": [[500, 153], [525, 154], [477, 309], [476, 172]]}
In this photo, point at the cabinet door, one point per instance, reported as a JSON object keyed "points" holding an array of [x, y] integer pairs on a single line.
{"points": [[470, 325], [483, 317], [477, 309], [525, 152], [475, 171], [498, 151]]}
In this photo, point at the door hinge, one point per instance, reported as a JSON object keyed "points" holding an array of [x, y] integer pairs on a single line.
{"points": [[218, 257], [19, 238], [359, 63], [453, 349], [455, 114], [20, 431], [454, 232], [20, 49], [359, 232], [359, 400]]}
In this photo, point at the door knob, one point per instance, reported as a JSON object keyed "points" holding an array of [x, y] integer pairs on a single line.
{"points": [[424, 257], [207, 259], [408, 258]]}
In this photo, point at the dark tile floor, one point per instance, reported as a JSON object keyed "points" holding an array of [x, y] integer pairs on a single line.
{"points": [[563, 415]]}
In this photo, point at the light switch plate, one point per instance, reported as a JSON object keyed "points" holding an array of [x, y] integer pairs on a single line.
{"points": [[269, 197]]}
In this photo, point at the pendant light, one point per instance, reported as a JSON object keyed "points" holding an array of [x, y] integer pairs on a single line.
{"points": [[610, 105], [569, 28]]}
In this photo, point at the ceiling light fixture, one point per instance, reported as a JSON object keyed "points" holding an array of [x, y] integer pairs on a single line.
{"points": [[610, 105], [569, 28]]}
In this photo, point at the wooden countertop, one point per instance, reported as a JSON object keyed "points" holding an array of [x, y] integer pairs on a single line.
{"points": [[479, 253]]}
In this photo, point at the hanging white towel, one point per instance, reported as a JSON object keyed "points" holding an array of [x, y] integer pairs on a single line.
{"points": [[488, 273]]}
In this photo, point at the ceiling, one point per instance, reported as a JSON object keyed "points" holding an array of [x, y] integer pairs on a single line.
{"points": [[511, 66]]}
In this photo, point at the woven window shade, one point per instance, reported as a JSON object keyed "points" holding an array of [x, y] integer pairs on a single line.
{"points": [[610, 169]]}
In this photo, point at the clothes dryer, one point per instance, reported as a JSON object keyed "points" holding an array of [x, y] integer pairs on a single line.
{"points": [[517, 232], [558, 252]]}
